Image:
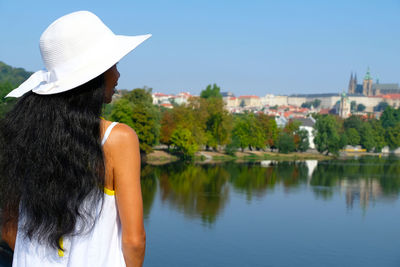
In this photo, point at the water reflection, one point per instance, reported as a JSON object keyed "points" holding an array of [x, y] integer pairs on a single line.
{"points": [[203, 191]]}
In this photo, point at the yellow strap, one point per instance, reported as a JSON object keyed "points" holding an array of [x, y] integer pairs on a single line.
{"points": [[60, 251], [109, 191], [102, 118]]}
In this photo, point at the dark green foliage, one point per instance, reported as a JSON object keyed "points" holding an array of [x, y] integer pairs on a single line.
{"points": [[390, 117], [303, 144], [13, 76], [6, 103], [353, 138], [353, 106], [360, 107], [233, 146], [286, 143], [353, 122], [10, 78], [378, 134], [327, 139], [316, 103], [381, 106], [343, 141], [136, 109], [367, 137], [393, 136], [211, 91]]}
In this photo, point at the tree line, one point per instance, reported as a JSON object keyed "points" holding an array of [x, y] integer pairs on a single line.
{"points": [[333, 133], [202, 123]]}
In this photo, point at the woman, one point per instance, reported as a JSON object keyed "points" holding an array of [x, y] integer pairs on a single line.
{"points": [[69, 181]]}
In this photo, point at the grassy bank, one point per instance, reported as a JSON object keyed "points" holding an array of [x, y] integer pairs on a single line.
{"points": [[159, 157]]}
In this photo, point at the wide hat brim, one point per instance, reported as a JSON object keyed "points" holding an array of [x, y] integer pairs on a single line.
{"points": [[93, 64]]}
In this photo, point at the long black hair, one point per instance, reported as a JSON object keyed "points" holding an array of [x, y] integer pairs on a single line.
{"points": [[51, 162]]}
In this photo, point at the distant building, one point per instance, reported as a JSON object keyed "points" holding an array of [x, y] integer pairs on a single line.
{"points": [[345, 106], [227, 94], [281, 121], [249, 101], [159, 98], [368, 88]]}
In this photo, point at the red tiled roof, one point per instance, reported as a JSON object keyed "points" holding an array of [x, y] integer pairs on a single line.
{"points": [[159, 94], [249, 96], [391, 96], [324, 111]]}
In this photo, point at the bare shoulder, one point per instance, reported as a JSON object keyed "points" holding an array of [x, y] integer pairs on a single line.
{"points": [[123, 136]]}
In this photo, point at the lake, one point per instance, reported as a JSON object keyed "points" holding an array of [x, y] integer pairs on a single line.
{"points": [[309, 213]]}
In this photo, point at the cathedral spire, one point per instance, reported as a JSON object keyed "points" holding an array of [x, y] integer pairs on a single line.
{"points": [[368, 75], [350, 88]]}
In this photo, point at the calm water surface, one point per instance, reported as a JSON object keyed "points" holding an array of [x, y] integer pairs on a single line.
{"points": [[326, 213]]}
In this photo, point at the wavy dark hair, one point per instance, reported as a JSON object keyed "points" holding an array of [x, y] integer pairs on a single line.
{"points": [[51, 162]]}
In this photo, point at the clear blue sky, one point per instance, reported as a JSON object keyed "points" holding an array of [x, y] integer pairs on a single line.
{"points": [[246, 47]]}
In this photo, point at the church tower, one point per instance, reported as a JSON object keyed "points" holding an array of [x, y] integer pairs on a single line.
{"points": [[367, 84], [352, 85], [344, 106]]}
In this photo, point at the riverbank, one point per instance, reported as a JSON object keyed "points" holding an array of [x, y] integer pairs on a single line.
{"points": [[160, 157]]}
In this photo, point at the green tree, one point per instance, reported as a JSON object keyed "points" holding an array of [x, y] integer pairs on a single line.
{"points": [[122, 111], [233, 146], [343, 141], [367, 139], [286, 143], [390, 117], [292, 126], [327, 139], [378, 134], [6, 103], [184, 142], [306, 105], [193, 118], [270, 128], [393, 136], [353, 122], [14, 76], [304, 144], [381, 106], [353, 138], [353, 106], [211, 91], [360, 107], [218, 122], [136, 109], [249, 132], [167, 127], [316, 103]]}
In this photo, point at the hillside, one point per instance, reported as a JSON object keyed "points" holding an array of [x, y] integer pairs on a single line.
{"points": [[14, 76], [10, 78]]}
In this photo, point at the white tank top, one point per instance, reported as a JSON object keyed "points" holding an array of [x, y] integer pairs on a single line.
{"points": [[101, 247]]}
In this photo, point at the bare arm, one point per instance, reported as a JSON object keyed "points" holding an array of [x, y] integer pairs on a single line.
{"points": [[125, 154]]}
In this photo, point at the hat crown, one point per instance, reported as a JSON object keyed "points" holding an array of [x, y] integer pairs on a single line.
{"points": [[75, 49], [70, 37]]}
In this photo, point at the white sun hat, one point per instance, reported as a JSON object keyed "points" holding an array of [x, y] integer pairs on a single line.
{"points": [[75, 49]]}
